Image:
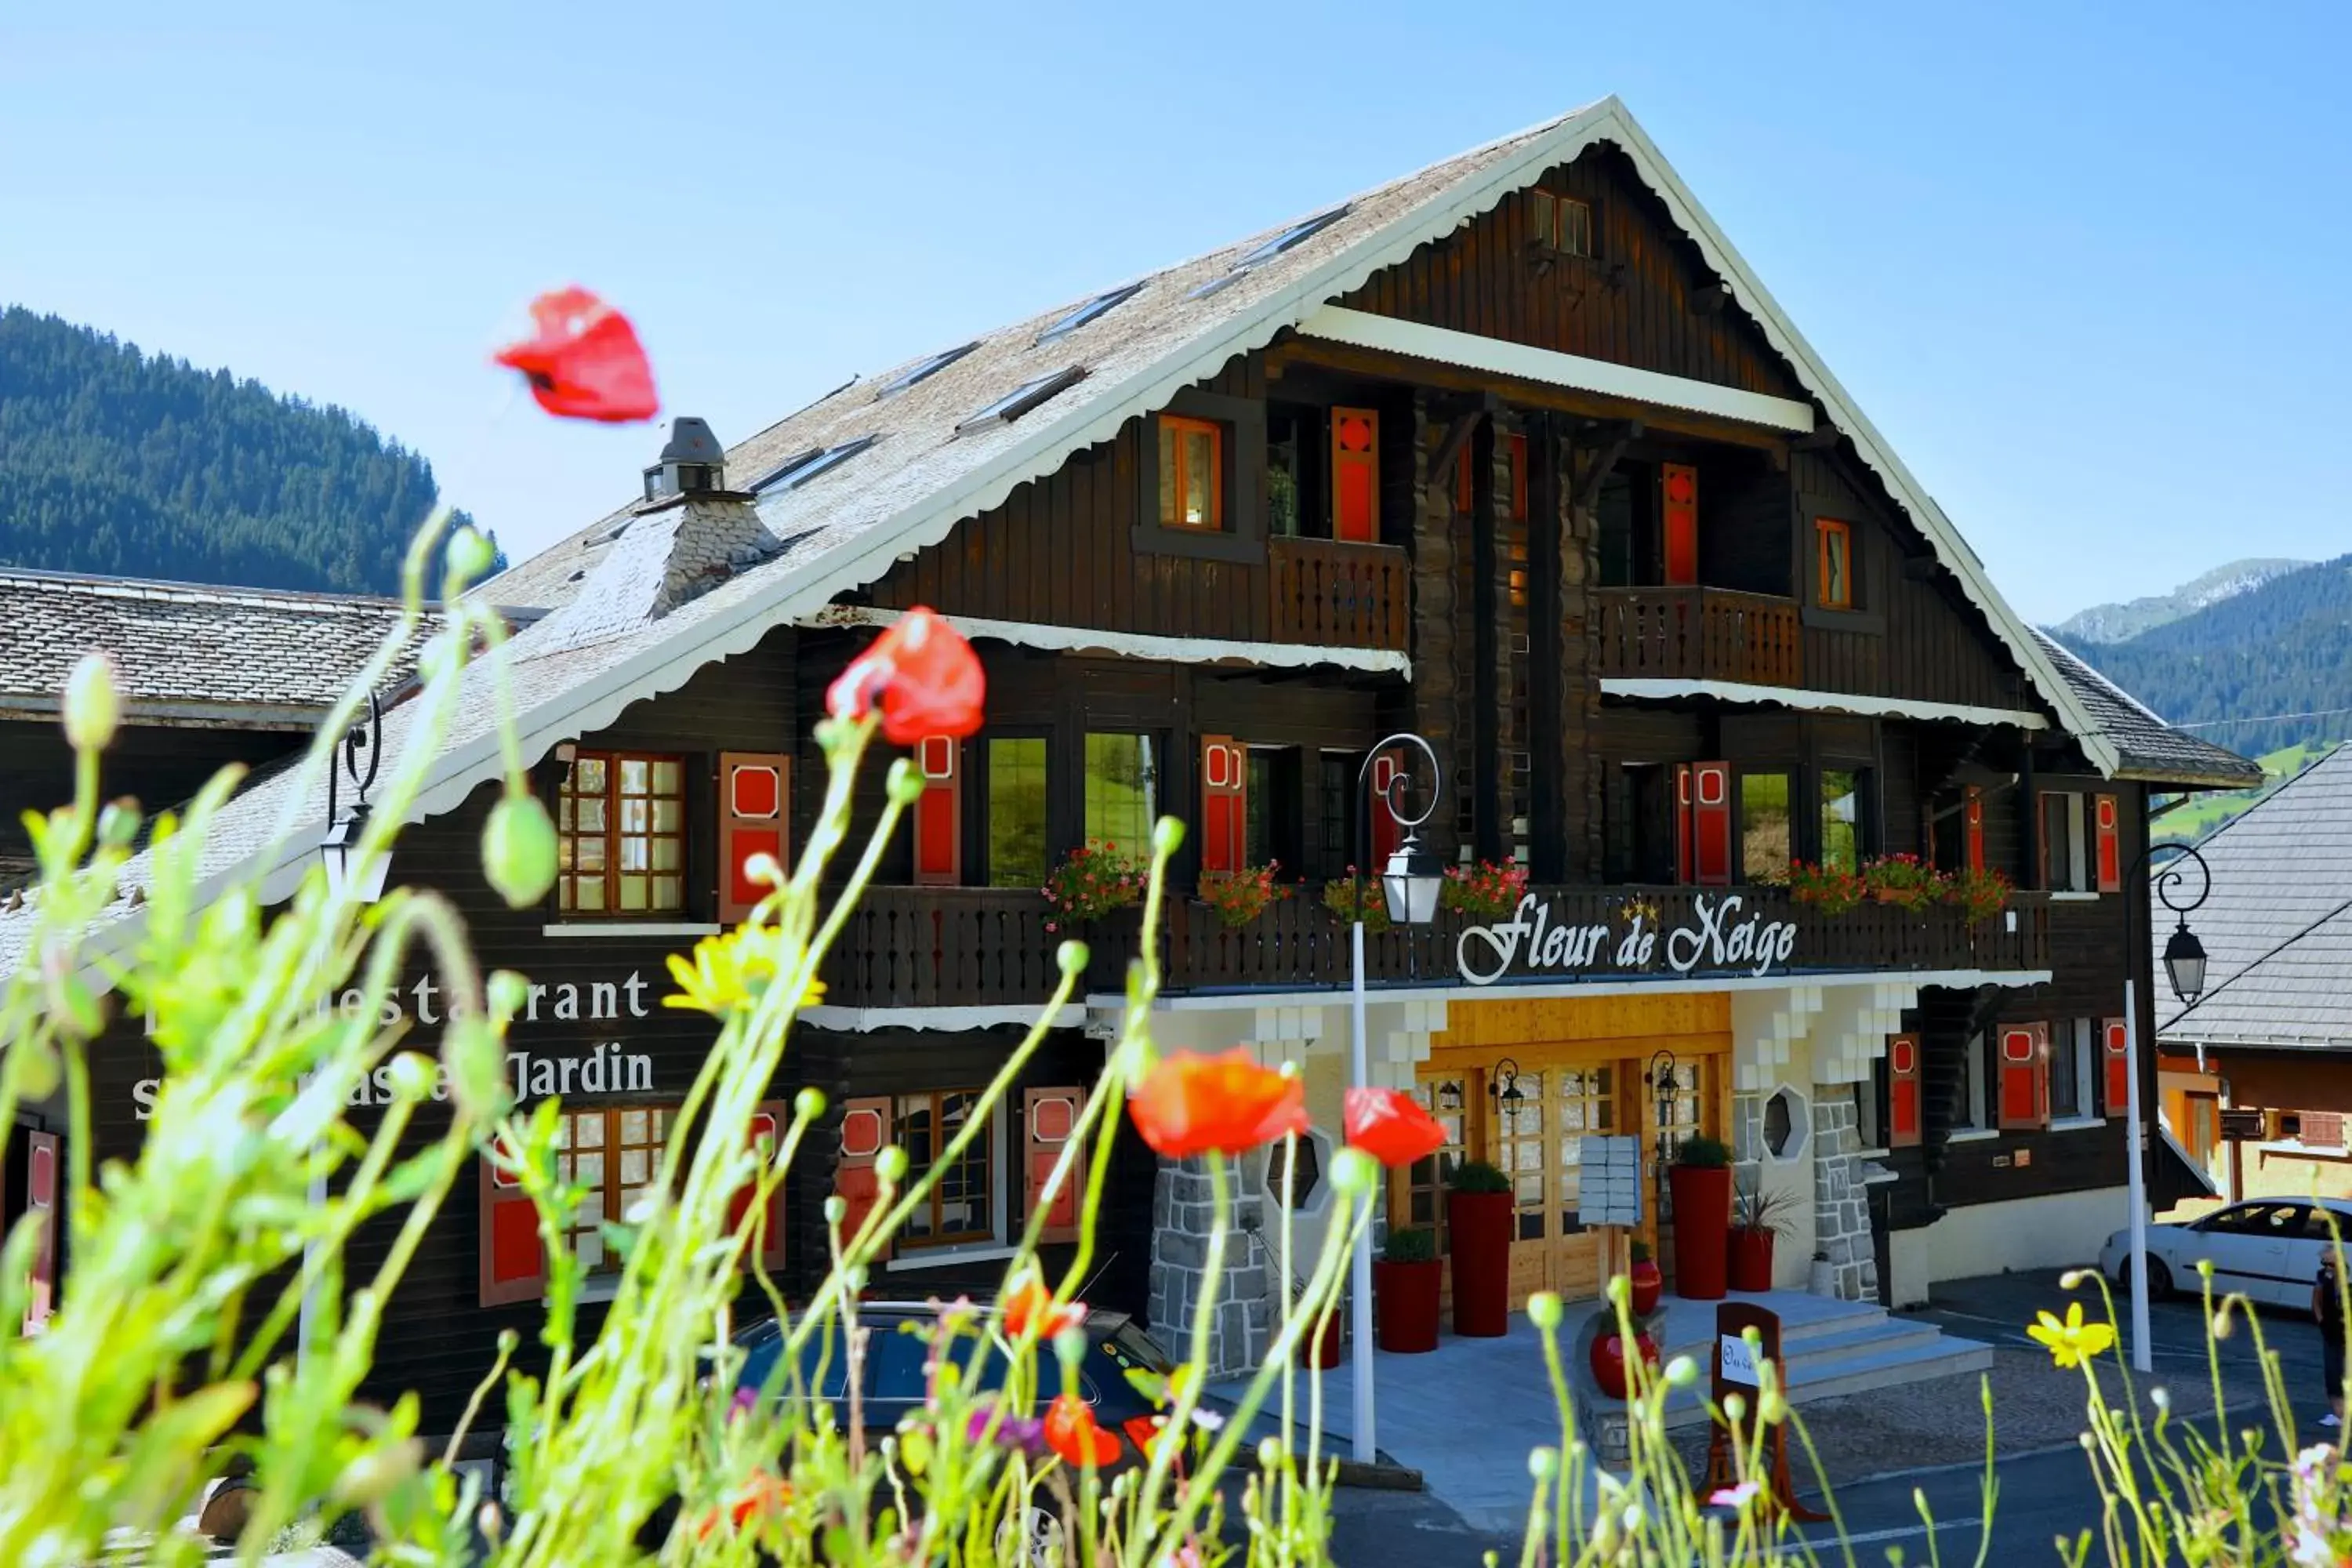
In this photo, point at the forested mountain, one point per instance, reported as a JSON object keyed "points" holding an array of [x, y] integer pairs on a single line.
{"points": [[2273, 664], [119, 462], [2116, 623]]}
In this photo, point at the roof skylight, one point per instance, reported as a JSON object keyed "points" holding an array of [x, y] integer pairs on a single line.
{"points": [[1297, 233], [1022, 399], [1086, 312], [803, 467], [921, 369]]}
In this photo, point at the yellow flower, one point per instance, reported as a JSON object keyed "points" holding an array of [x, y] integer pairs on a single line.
{"points": [[2072, 1343]]}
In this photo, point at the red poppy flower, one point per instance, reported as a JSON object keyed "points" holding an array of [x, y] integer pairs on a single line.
{"points": [[586, 362], [1030, 1304], [1392, 1127], [762, 1497], [922, 674], [1071, 1432], [1190, 1104]]}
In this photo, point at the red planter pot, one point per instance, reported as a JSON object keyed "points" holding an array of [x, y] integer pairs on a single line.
{"points": [[1702, 1229], [1648, 1285], [1609, 1361], [1751, 1260], [1479, 1226], [1404, 1298]]}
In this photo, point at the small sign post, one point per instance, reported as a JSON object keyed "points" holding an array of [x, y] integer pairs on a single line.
{"points": [[1737, 1370]]}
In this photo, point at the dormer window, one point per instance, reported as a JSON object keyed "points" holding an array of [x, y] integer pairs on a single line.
{"points": [[1191, 474]]}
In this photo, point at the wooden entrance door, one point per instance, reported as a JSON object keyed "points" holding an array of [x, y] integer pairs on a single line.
{"points": [[1538, 1140]]}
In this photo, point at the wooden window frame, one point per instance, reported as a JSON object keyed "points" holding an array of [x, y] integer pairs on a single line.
{"points": [[1186, 425], [1241, 539], [1548, 223], [616, 1197], [566, 892], [1824, 530], [985, 1146]]}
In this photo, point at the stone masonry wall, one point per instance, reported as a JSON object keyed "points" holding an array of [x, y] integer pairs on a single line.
{"points": [[1841, 1206], [1182, 1215]]}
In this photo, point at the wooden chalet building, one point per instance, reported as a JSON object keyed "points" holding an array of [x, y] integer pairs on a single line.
{"points": [[1513, 452]]}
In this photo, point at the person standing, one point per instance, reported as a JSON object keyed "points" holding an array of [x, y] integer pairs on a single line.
{"points": [[2327, 1306]]}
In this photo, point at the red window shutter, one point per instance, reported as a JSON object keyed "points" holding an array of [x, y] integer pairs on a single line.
{"points": [[1387, 836], [1356, 475], [43, 1172], [1224, 803], [2024, 1074], [1678, 496], [1686, 864], [2118, 1062], [1711, 823], [1519, 450], [2107, 826], [754, 812], [1903, 1091], [938, 814], [864, 1130], [1972, 816], [767, 1136], [514, 1262], [1049, 1119]]}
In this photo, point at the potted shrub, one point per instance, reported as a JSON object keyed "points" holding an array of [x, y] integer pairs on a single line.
{"points": [[1407, 1280], [1239, 897], [1904, 880], [1609, 1359], [1700, 1183], [1824, 888], [1647, 1283], [1480, 1220], [1339, 897], [1756, 1220], [1090, 882], [1490, 890], [1977, 895]]}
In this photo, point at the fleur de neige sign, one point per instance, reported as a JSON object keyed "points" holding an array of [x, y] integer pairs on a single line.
{"points": [[1715, 938]]}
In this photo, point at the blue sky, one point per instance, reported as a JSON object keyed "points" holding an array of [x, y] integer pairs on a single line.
{"points": [[2079, 264]]}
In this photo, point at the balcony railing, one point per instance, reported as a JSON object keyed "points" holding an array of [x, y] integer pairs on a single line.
{"points": [[1700, 634], [942, 947], [1337, 595]]}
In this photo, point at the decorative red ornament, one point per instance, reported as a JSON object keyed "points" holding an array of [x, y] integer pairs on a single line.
{"points": [[586, 362], [1391, 1126], [923, 676], [1190, 1104], [1609, 1361], [1031, 1305], [1071, 1432]]}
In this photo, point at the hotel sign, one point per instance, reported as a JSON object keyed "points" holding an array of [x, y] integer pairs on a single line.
{"points": [[1719, 937]]}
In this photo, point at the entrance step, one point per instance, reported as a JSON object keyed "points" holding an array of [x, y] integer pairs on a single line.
{"points": [[1827, 1347]]}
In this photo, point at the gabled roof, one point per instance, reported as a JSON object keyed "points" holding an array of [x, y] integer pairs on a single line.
{"points": [[2147, 748], [918, 478], [2277, 924], [186, 653]]}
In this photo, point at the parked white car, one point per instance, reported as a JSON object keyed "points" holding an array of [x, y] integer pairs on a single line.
{"points": [[2267, 1249]]}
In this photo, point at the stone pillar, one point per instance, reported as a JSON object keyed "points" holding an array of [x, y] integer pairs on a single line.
{"points": [[1747, 1143], [1182, 1220], [1841, 1206]]}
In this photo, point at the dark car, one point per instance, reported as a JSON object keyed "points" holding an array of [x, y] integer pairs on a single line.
{"points": [[1123, 1365]]}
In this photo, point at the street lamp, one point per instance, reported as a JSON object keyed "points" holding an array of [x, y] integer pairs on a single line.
{"points": [[357, 754], [2184, 966], [1410, 882]]}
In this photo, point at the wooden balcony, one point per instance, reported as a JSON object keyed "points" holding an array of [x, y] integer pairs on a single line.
{"points": [[1332, 595], [1700, 634], [949, 947]]}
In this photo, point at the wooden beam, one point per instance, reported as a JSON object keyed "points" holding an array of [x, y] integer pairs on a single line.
{"points": [[1457, 436], [1608, 444], [1348, 359], [1820, 439]]}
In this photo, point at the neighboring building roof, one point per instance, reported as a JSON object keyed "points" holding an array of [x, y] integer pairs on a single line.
{"points": [[186, 653], [2277, 924], [925, 462], [2147, 748]]}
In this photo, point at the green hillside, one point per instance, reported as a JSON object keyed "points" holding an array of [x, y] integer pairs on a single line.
{"points": [[2203, 814], [119, 462]]}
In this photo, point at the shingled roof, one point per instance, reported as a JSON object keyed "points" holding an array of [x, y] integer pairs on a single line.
{"points": [[2277, 924], [2147, 748], [186, 653], [927, 456]]}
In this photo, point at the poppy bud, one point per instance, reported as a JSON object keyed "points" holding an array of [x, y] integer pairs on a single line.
{"points": [[1167, 836], [117, 824], [890, 1165], [519, 851], [411, 1076], [1071, 957], [477, 1064], [905, 784], [470, 557], [809, 1104], [1355, 1172], [371, 1477], [1543, 1463], [93, 706], [508, 993], [39, 1070], [836, 1210], [764, 870], [1544, 1311]]}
